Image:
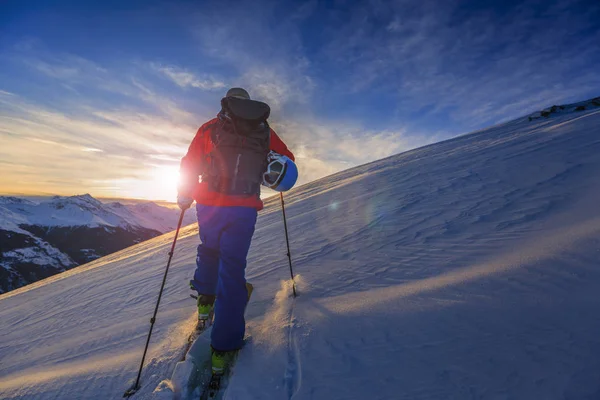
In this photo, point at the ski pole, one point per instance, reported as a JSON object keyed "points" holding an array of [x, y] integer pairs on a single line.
{"points": [[287, 240], [136, 386]]}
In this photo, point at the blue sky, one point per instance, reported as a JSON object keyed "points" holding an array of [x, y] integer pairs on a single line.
{"points": [[104, 97]]}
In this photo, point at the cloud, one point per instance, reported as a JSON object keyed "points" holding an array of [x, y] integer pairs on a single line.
{"points": [[69, 69], [65, 146], [480, 65], [267, 55], [184, 79], [276, 88], [81, 84], [66, 154], [470, 66], [324, 147]]}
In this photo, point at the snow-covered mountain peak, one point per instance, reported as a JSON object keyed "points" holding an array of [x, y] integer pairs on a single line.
{"points": [[146, 207], [116, 204], [85, 210], [84, 202], [12, 200], [85, 199]]}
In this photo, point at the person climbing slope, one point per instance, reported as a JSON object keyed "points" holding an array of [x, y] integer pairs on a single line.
{"points": [[234, 154]]}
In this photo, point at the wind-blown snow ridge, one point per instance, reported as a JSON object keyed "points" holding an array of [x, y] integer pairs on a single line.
{"points": [[464, 269]]}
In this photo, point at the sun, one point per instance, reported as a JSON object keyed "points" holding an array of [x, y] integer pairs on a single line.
{"points": [[166, 176], [164, 182], [156, 183]]}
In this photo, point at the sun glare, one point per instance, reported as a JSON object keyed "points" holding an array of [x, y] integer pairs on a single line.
{"points": [[159, 183], [164, 182]]}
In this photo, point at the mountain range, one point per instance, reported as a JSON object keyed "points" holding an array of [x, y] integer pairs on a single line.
{"points": [[43, 237]]}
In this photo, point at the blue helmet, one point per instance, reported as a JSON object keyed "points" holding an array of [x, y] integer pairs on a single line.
{"points": [[281, 174]]}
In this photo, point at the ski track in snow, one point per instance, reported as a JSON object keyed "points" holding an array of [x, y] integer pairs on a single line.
{"points": [[466, 269], [293, 371]]}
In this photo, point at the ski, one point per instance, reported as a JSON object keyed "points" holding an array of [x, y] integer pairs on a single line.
{"points": [[213, 387], [201, 326], [217, 385], [218, 382]]}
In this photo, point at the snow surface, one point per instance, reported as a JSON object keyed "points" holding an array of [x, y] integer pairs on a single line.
{"points": [[467, 269]]}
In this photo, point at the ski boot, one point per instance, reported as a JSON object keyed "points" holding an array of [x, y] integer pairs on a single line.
{"points": [[206, 307], [221, 360]]}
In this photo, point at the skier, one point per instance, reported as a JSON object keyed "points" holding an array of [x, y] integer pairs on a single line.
{"points": [[234, 154]]}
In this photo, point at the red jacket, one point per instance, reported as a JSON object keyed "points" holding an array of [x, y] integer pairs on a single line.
{"points": [[200, 147]]}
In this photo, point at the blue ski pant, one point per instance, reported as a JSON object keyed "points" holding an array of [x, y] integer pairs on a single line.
{"points": [[225, 235]]}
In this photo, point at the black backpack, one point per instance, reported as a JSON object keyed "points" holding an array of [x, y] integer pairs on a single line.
{"points": [[241, 142]]}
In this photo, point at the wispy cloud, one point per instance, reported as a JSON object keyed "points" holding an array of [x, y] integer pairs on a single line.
{"points": [[185, 78], [267, 55], [323, 147], [80, 83], [67, 67], [66, 154], [65, 146], [481, 65]]}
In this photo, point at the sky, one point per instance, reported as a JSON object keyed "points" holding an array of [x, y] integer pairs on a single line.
{"points": [[104, 97]]}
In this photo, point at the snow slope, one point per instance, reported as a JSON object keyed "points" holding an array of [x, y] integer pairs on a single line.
{"points": [[466, 269]]}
